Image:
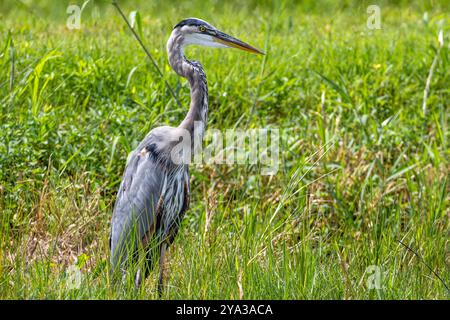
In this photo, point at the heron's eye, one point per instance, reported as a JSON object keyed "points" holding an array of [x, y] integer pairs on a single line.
{"points": [[202, 29]]}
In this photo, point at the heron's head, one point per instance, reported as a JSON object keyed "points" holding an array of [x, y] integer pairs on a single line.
{"points": [[197, 31]]}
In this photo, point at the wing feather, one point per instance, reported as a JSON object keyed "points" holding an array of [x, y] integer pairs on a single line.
{"points": [[136, 208]]}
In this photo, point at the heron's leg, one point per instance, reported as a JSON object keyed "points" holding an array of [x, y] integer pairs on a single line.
{"points": [[161, 268], [136, 267], [151, 255]]}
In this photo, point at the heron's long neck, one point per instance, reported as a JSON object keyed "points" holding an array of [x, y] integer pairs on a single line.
{"points": [[196, 118]]}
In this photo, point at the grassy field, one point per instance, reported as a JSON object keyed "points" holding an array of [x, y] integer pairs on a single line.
{"points": [[363, 165]]}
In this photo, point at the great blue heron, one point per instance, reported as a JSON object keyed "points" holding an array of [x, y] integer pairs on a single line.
{"points": [[154, 192]]}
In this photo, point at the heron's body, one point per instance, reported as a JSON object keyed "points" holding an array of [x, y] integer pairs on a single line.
{"points": [[152, 198], [154, 192]]}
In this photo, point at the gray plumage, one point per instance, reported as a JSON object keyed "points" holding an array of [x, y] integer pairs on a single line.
{"points": [[152, 197], [154, 193]]}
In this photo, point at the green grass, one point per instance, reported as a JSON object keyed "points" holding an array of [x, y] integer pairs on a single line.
{"points": [[362, 166]]}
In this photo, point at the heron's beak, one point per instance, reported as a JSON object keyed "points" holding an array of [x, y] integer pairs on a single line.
{"points": [[229, 41]]}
